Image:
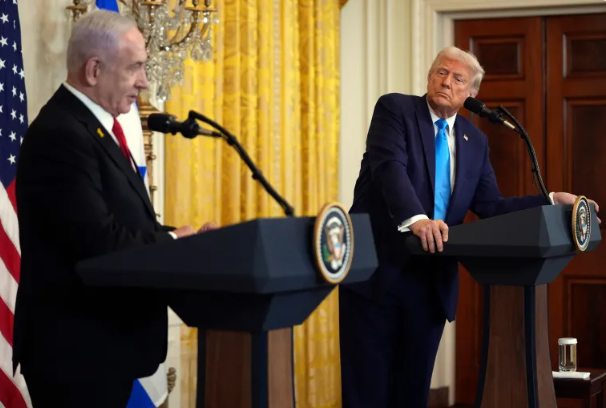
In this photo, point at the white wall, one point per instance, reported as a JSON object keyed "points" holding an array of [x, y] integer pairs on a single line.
{"points": [[44, 33], [373, 58], [388, 46]]}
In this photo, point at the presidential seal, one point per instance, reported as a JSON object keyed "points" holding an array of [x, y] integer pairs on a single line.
{"points": [[581, 223], [333, 242]]}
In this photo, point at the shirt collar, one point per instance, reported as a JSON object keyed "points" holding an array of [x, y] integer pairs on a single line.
{"points": [[103, 116], [450, 120]]}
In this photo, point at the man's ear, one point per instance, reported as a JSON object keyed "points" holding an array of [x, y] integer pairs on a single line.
{"points": [[92, 70], [473, 94]]}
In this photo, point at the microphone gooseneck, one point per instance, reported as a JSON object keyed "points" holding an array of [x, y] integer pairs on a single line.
{"points": [[496, 116], [256, 173], [165, 123]]}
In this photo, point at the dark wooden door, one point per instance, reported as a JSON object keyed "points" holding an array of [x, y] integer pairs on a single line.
{"points": [[552, 77], [511, 52], [576, 154]]}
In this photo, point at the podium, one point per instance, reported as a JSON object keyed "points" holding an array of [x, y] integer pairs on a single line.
{"points": [[515, 256], [244, 287]]}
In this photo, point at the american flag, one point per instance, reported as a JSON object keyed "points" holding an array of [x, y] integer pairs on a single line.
{"points": [[13, 124]]}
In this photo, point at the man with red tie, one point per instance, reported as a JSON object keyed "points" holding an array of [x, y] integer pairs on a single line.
{"points": [[80, 195]]}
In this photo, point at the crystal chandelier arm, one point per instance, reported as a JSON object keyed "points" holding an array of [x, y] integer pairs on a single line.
{"points": [[205, 29], [192, 30], [182, 10], [134, 7]]}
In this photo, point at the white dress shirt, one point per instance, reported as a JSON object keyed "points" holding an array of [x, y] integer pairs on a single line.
{"points": [[104, 117], [404, 227]]}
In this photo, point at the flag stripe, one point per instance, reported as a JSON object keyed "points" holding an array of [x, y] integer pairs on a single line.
{"points": [[155, 386], [139, 397], [6, 322], [13, 390], [13, 126], [8, 218], [10, 396], [9, 254], [8, 287], [12, 196]]}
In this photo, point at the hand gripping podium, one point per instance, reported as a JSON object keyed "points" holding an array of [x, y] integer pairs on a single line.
{"points": [[244, 286], [515, 256]]}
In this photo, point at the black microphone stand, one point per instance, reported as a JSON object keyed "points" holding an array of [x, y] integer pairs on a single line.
{"points": [[531, 152], [191, 129], [256, 173]]}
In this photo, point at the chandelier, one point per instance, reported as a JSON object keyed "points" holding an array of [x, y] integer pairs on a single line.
{"points": [[171, 37]]}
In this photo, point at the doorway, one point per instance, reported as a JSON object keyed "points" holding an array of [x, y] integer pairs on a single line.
{"points": [[550, 72]]}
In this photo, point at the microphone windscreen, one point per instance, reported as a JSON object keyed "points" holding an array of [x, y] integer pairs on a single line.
{"points": [[473, 105], [159, 122]]}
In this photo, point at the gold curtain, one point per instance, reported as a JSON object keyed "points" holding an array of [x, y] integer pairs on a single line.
{"points": [[274, 83]]}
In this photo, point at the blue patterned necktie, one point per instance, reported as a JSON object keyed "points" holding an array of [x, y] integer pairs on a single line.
{"points": [[442, 189]]}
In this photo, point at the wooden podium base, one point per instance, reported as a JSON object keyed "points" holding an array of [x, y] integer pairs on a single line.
{"points": [[515, 363], [244, 370]]}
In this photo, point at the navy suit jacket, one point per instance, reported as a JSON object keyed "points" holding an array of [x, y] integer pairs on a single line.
{"points": [[396, 182]]}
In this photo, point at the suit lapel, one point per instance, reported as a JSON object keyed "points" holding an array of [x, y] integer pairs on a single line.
{"points": [[428, 138], [115, 153], [103, 137], [462, 152]]}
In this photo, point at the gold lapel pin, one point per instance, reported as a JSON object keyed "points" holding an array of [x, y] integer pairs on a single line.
{"points": [[100, 132], [465, 137]]}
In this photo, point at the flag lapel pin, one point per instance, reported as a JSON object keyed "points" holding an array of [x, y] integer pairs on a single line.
{"points": [[465, 137], [100, 132]]}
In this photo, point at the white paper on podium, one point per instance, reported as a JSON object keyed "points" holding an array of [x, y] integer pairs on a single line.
{"points": [[571, 374]]}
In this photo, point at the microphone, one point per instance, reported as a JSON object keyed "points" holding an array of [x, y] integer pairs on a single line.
{"points": [[477, 107], [165, 123]]}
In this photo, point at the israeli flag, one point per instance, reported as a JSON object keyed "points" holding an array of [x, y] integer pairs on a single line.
{"points": [[131, 124], [149, 392], [111, 5]]}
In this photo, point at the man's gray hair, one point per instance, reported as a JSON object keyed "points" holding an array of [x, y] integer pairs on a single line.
{"points": [[465, 57], [96, 34]]}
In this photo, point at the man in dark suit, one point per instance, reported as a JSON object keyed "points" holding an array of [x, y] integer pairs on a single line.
{"points": [[80, 195], [423, 169]]}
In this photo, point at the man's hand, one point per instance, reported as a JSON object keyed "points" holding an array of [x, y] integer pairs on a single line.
{"points": [[569, 199], [432, 234], [209, 226], [184, 231]]}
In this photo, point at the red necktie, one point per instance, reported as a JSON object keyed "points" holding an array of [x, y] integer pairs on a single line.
{"points": [[119, 133]]}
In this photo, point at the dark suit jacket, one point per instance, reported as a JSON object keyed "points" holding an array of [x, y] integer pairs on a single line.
{"points": [[78, 197], [397, 179]]}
